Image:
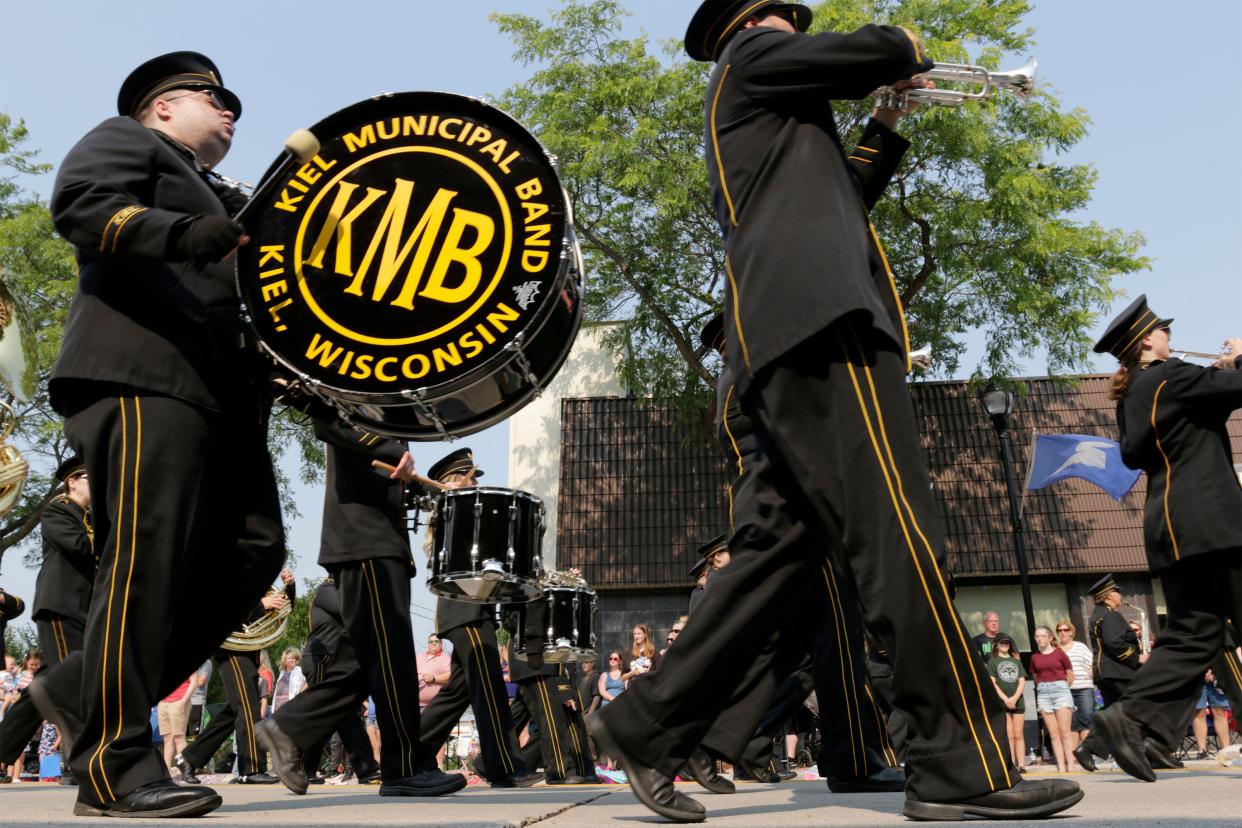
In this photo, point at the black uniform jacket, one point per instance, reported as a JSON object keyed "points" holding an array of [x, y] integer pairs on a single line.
{"points": [[1172, 422], [1115, 646], [123, 196], [800, 250], [363, 508], [67, 575]]}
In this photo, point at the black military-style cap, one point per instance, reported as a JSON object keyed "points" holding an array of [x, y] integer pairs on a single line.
{"points": [[10, 606], [69, 468], [1104, 586], [175, 70], [712, 335], [459, 462], [715, 20], [697, 569], [720, 543], [1129, 327]]}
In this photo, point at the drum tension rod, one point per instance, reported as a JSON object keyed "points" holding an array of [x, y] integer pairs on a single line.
{"points": [[418, 398], [523, 363]]}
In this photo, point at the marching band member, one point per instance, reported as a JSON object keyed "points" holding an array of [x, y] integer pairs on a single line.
{"points": [[1172, 417]]}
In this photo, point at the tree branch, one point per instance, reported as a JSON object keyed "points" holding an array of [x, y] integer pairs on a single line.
{"points": [[925, 243]]}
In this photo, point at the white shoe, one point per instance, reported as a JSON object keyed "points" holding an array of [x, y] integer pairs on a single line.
{"points": [[1226, 755]]}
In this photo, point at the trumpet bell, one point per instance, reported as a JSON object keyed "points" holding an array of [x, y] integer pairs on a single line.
{"points": [[13, 467], [921, 359]]}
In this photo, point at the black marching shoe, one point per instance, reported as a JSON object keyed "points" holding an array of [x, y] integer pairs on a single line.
{"points": [[888, 780], [1159, 757], [261, 778], [287, 759], [759, 774], [519, 780], [1126, 737], [68, 779], [1029, 799], [434, 782], [592, 779], [164, 798], [188, 774], [1086, 759], [702, 769], [369, 777], [571, 779], [652, 787]]}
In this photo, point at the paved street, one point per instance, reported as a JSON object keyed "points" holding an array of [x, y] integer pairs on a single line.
{"points": [[1203, 796]]}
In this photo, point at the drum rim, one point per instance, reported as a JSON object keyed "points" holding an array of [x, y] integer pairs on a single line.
{"points": [[466, 490], [571, 261]]}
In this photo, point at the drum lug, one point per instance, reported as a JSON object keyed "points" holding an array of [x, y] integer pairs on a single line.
{"points": [[446, 526], [418, 397], [575, 617], [474, 545], [511, 553], [523, 363]]}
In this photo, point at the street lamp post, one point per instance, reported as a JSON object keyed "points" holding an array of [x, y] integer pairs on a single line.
{"points": [[999, 405]]}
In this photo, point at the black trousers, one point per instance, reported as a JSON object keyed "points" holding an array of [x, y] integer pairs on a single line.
{"points": [[563, 743], [58, 637], [1200, 592], [847, 476], [184, 504], [475, 681], [375, 658], [239, 673], [353, 735], [1228, 670]]}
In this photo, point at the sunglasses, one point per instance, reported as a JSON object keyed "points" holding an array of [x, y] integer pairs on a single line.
{"points": [[213, 98], [613, 658], [1063, 629]]}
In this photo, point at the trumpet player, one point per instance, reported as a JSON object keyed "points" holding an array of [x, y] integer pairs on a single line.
{"points": [[817, 347], [1172, 416]]}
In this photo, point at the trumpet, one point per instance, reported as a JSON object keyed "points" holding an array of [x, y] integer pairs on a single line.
{"points": [[1020, 81], [1200, 354], [921, 359]]}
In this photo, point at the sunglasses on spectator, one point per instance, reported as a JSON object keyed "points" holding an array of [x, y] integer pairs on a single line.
{"points": [[1063, 629]]}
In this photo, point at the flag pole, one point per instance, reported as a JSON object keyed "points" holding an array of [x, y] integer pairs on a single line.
{"points": [[1030, 468]]}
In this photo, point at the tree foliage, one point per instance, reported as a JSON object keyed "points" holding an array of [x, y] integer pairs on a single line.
{"points": [[983, 226]]}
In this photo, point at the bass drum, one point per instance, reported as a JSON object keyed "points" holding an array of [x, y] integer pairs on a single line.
{"points": [[420, 275]]}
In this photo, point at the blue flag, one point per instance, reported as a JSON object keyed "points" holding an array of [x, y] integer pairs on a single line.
{"points": [[1094, 459]]}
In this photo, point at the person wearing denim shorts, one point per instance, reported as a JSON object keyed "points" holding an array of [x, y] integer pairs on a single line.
{"points": [[1054, 673]]}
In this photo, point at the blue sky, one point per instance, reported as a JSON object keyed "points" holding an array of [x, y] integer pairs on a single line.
{"points": [[1159, 82]]}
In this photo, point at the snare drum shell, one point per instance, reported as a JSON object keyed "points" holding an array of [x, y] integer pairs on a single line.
{"points": [[480, 524]]}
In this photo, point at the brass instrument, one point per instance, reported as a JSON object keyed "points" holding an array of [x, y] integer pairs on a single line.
{"points": [[1020, 81], [562, 578], [1202, 354], [263, 632], [1145, 644], [13, 467]]}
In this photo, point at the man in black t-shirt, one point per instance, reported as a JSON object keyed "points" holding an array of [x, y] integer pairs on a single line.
{"points": [[985, 642]]}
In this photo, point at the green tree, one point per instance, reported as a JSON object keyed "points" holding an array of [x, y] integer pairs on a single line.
{"points": [[982, 224]]}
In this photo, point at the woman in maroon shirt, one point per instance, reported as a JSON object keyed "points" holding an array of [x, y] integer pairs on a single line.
{"points": [[1053, 674]]}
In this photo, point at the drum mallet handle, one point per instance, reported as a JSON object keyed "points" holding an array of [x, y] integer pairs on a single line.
{"points": [[418, 478], [300, 148]]}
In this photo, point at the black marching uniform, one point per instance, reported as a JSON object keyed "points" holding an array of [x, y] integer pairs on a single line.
{"points": [[365, 546], [475, 680], [153, 379], [1117, 652], [815, 338], [322, 643], [62, 598], [239, 676], [1172, 421], [550, 697]]}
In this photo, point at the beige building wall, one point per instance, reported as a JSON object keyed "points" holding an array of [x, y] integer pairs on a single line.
{"points": [[1048, 600], [535, 431]]}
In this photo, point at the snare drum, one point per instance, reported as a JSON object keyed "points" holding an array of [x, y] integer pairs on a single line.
{"points": [[570, 635], [488, 545], [420, 275]]}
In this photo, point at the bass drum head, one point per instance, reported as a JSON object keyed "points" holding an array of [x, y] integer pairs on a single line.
{"points": [[420, 273]]}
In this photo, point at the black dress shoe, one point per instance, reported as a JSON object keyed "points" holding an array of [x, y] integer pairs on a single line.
{"points": [[518, 780], [1029, 799], [652, 787], [317, 780], [785, 774], [592, 779], [164, 798], [287, 759], [434, 782], [1124, 734], [702, 769], [1085, 757], [262, 778], [187, 770], [888, 780], [763, 774], [370, 777], [571, 779], [1159, 757], [68, 780]]}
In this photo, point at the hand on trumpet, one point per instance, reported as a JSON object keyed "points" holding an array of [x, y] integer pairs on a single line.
{"points": [[274, 602], [1232, 352], [889, 115]]}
